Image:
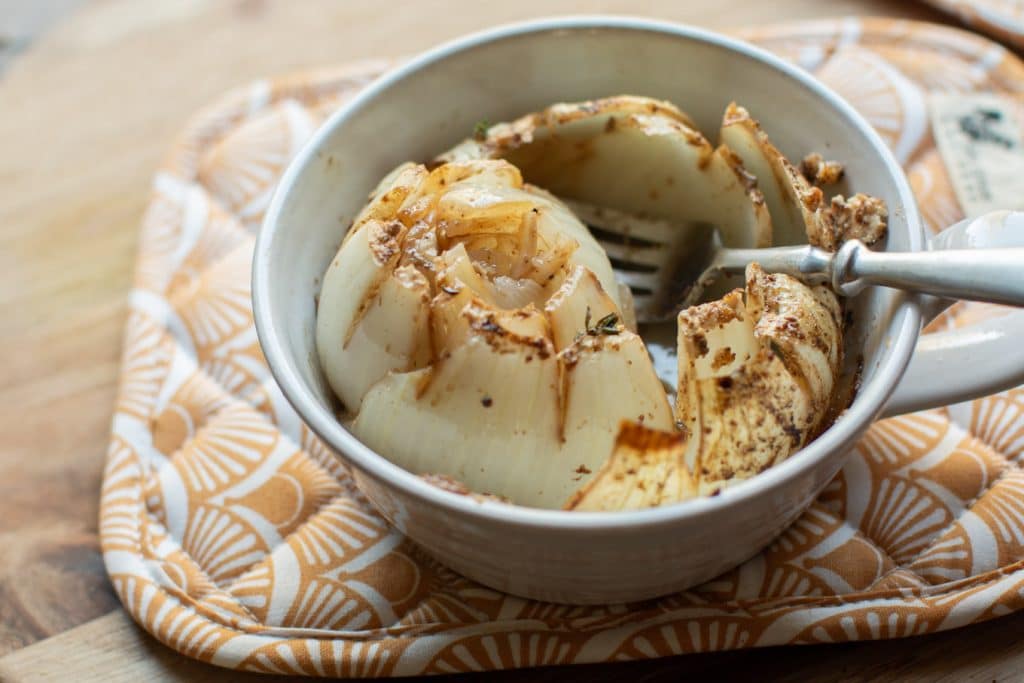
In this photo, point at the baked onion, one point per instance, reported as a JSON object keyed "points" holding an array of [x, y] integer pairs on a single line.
{"points": [[756, 374], [474, 331], [473, 326]]}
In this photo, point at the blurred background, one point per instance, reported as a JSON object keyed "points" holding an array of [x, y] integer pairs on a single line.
{"points": [[92, 93]]}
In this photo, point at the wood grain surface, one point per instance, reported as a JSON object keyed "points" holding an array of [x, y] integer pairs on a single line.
{"points": [[85, 115]]}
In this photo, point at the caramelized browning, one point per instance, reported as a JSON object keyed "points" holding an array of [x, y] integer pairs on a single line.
{"points": [[820, 171]]}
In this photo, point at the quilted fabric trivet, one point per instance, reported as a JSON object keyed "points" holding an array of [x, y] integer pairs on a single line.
{"points": [[236, 538]]}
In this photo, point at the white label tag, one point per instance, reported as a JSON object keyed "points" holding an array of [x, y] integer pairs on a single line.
{"points": [[980, 140]]}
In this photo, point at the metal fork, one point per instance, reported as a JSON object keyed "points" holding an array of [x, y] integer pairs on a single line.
{"points": [[669, 266]]}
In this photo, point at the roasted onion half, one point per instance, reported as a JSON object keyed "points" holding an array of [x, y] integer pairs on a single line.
{"points": [[476, 330]]}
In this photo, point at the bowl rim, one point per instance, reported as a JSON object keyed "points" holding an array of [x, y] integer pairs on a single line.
{"points": [[865, 407]]}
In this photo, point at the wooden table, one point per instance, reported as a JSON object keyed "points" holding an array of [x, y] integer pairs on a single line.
{"points": [[85, 115]]}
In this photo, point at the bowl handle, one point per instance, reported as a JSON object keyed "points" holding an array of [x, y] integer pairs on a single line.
{"points": [[978, 359]]}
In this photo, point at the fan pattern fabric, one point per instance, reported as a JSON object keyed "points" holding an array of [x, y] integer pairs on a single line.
{"points": [[235, 537]]}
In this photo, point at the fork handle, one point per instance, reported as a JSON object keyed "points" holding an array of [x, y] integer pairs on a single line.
{"points": [[991, 275]]}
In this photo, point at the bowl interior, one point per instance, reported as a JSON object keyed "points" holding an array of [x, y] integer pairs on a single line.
{"points": [[433, 102]]}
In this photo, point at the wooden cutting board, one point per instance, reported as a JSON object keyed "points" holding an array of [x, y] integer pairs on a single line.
{"points": [[84, 118]]}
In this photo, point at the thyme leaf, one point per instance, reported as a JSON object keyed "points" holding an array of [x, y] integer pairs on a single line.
{"points": [[480, 129]]}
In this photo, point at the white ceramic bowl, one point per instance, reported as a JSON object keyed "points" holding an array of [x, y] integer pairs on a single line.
{"points": [[434, 100]]}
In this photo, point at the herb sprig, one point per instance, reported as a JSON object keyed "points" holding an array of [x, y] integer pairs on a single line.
{"points": [[607, 325], [480, 129]]}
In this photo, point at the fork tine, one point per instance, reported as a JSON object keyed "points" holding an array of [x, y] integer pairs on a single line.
{"points": [[654, 257], [660, 262], [638, 282], [623, 224], [643, 302]]}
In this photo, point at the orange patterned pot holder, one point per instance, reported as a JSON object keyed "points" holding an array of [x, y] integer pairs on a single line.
{"points": [[235, 537]]}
